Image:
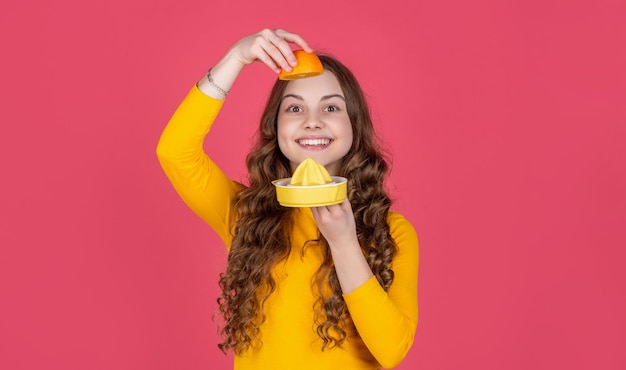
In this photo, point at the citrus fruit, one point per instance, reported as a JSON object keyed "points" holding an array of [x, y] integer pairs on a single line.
{"points": [[309, 65]]}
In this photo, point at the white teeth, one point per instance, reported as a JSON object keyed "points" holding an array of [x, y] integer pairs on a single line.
{"points": [[315, 142]]}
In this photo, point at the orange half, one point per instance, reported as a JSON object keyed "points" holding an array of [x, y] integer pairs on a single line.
{"points": [[309, 65]]}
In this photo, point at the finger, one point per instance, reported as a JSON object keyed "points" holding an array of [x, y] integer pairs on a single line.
{"points": [[277, 56], [336, 210], [346, 206], [278, 49], [339, 211], [314, 211], [295, 38], [283, 46], [264, 58], [321, 214]]}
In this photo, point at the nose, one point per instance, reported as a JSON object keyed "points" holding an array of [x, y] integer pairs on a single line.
{"points": [[313, 121]]}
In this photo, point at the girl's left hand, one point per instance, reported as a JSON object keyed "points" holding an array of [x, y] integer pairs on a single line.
{"points": [[336, 223], [338, 226]]}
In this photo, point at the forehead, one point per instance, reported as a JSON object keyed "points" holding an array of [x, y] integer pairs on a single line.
{"points": [[315, 87]]}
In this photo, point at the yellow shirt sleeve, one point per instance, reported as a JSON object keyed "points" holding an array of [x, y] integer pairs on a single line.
{"points": [[387, 321], [197, 179]]}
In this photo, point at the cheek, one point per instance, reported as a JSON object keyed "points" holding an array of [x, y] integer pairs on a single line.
{"points": [[348, 132], [282, 132]]}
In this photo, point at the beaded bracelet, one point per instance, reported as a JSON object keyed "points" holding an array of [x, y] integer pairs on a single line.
{"points": [[222, 91]]}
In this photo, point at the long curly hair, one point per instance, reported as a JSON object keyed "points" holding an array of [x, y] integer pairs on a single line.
{"points": [[261, 234]]}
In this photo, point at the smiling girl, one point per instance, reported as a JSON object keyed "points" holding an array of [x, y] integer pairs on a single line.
{"points": [[304, 288]]}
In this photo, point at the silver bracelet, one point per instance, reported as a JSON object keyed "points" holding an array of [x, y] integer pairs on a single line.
{"points": [[222, 91]]}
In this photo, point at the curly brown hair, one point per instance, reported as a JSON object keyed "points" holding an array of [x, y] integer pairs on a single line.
{"points": [[261, 234]]}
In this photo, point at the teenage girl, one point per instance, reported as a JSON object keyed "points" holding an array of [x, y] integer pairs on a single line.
{"points": [[331, 287]]}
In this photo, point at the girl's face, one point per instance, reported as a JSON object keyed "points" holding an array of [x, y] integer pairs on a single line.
{"points": [[313, 122]]}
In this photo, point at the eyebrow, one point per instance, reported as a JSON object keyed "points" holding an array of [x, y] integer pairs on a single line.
{"points": [[325, 97]]}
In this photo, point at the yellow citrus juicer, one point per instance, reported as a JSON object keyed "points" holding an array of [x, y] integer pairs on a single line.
{"points": [[311, 186]]}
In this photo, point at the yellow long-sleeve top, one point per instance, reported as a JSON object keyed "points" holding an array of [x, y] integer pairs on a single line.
{"points": [[385, 321]]}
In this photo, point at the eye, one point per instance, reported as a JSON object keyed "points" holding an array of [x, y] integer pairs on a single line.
{"points": [[294, 109], [331, 108]]}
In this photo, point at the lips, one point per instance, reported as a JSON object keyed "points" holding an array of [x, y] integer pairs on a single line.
{"points": [[314, 142], [317, 143]]}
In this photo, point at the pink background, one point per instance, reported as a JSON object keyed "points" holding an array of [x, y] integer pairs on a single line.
{"points": [[506, 121]]}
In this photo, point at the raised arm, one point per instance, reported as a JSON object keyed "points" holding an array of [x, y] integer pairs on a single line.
{"points": [[197, 179], [270, 47]]}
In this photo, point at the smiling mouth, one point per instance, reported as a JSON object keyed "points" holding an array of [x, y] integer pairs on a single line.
{"points": [[313, 142]]}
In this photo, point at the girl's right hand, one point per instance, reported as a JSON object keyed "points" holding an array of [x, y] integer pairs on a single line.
{"points": [[270, 47]]}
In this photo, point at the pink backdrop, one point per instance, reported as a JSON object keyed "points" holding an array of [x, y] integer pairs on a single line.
{"points": [[507, 125]]}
